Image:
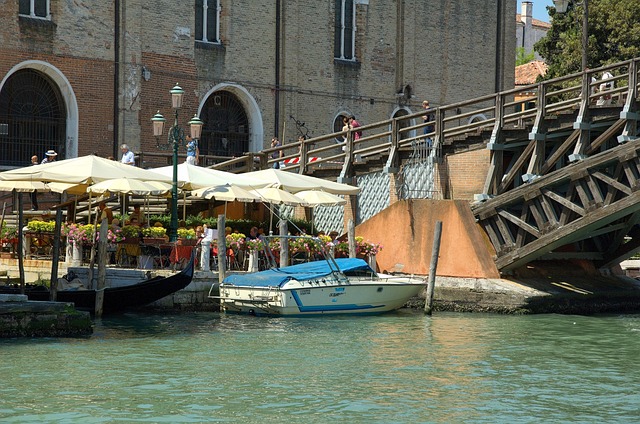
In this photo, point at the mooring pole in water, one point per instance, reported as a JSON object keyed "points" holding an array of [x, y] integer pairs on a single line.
{"points": [[53, 294], [102, 267], [222, 249], [21, 252], [435, 252], [351, 237]]}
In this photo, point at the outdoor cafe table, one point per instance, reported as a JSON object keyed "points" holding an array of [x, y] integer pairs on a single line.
{"points": [[180, 254]]}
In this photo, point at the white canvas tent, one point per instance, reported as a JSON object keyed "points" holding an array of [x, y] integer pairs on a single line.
{"points": [[192, 177], [293, 182], [82, 170]]}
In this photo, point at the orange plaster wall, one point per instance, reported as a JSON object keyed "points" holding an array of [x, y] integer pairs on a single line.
{"points": [[406, 231]]}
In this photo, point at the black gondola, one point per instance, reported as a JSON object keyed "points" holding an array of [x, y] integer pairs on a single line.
{"points": [[116, 299]]}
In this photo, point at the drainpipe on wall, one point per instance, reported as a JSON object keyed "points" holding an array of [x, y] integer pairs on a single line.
{"points": [[499, 70], [116, 77], [276, 116]]}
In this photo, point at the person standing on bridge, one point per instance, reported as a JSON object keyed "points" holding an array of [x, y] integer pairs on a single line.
{"points": [[355, 124], [606, 85], [428, 117], [278, 153], [193, 152]]}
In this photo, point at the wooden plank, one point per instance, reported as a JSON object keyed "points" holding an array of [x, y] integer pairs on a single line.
{"points": [[575, 230], [582, 194], [594, 188], [605, 136], [524, 156], [520, 223], [537, 215], [616, 185], [549, 210], [560, 152], [520, 237]]}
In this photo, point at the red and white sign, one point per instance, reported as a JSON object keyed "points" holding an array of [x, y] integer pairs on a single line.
{"points": [[294, 161]]}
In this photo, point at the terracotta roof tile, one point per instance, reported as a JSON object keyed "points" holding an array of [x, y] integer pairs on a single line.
{"points": [[528, 73]]}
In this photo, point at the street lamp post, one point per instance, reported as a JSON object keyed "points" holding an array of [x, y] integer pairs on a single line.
{"points": [[176, 137], [561, 6]]}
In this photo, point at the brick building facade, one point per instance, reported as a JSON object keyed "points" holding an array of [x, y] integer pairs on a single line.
{"points": [[250, 69]]}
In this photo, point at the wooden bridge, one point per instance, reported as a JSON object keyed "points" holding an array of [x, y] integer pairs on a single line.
{"points": [[563, 175]]}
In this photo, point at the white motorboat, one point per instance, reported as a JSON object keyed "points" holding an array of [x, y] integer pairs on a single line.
{"points": [[324, 287]]}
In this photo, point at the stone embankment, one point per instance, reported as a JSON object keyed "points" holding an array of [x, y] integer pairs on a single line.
{"points": [[22, 318]]}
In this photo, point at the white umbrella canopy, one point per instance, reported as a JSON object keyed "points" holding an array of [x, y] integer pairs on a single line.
{"points": [[278, 197], [320, 198], [226, 193], [23, 186], [30, 186], [82, 170], [293, 182], [131, 186], [193, 177]]}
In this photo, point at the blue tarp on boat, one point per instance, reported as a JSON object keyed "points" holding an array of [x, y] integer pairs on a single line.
{"points": [[306, 271]]}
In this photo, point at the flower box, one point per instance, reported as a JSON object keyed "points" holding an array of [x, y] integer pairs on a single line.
{"points": [[187, 242], [154, 240]]}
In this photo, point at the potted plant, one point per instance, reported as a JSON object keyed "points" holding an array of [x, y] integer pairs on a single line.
{"points": [[76, 235], [130, 234], [187, 236], [9, 240], [154, 235], [254, 246], [235, 241], [37, 226]]}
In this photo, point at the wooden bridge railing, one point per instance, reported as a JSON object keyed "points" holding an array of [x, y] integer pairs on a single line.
{"points": [[496, 113]]}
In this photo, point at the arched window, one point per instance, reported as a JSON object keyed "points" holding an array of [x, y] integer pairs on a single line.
{"points": [[226, 126], [32, 118], [402, 123]]}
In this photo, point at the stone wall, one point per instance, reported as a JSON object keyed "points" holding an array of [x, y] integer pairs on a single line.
{"points": [[444, 51]]}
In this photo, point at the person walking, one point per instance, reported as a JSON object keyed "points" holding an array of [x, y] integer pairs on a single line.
{"points": [[278, 153], [49, 157], [193, 152], [355, 124], [127, 156]]}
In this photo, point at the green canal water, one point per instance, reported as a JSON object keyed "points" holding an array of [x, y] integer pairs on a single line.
{"points": [[398, 368]]}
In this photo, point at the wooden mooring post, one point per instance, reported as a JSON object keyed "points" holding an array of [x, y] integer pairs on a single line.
{"points": [[435, 252], [284, 243], [102, 267], [222, 249], [351, 238]]}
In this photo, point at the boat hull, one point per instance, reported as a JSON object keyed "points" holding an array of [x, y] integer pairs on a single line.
{"points": [[116, 299], [307, 299]]}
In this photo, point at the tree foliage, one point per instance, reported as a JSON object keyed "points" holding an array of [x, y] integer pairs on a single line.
{"points": [[614, 35], [523, 57]]}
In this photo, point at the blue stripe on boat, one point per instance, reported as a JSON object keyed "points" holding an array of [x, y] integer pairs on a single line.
{"points": [[329, 308]]}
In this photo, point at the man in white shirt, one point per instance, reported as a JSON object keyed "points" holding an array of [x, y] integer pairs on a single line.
{"points": [[127, 155], [605, 99], [208, 235]]}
